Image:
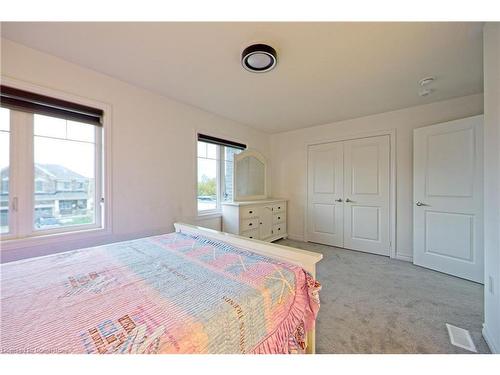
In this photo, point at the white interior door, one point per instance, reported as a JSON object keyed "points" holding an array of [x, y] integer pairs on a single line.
{"points": [[325, 194], [448, 198], [367, 192]]}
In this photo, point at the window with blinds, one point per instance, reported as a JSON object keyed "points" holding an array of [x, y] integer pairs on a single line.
{"points": [[215, 171], [60, 188]]}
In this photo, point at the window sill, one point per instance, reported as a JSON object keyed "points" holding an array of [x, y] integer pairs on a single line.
{"points": [[54, 238]]}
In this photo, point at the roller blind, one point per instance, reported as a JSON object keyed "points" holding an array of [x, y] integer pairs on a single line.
{"points": [[221, 142], [26, 101]]}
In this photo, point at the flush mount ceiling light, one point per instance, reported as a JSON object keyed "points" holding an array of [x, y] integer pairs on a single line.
{"points": [[426, 81], [259, 58]]}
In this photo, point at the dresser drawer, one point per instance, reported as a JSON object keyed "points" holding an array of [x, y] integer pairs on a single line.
{"points": [[279, 217], [248, 224], [279, 207], [249, 212], [279, 229], [254, 233]]}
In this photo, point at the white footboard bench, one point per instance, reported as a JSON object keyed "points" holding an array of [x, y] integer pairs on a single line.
{"points": [[303, 258]]}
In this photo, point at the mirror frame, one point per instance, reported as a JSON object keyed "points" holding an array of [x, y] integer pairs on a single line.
{"points": [[242, 155]]}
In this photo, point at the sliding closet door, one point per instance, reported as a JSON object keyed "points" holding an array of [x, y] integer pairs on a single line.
{"points": [[366, 193], [325, 193]]}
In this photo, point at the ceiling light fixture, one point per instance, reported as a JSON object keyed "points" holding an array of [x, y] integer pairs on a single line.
{"points": [[259, 58], [426, 81]]}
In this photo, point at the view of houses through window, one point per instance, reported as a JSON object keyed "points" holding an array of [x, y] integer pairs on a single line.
{"points": [[64, 166], [215, 175], [64, 173]]}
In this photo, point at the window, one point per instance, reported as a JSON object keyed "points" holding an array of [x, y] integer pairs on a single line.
{"points": [[63, 186], [4, 168], [208, 163], [67, 206], [64, 191], [215, 172], [38, 186], [64, 151]]}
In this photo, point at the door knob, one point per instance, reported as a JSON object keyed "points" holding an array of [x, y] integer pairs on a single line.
{"points": [[420, 204], [348, 200], [338, 200]]}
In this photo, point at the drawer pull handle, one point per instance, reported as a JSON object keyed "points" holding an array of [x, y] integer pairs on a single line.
{"points": [[279, 228], [250, 212], [260, 223], [279, 208], [250, 237], [279, 217], [250, 224]]}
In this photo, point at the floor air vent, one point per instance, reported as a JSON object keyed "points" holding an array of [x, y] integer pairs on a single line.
{"points": [[461, 337]]}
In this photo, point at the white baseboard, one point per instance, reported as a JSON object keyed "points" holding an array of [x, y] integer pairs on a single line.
{"points": [[494, 347], [296, 237], [406, 258]]}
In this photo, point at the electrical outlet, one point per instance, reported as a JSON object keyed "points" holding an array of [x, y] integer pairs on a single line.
{"points": [[491, 284]]}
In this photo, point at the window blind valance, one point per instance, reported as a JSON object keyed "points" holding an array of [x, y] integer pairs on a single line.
{"points": [[26, 101], [221, 142]]}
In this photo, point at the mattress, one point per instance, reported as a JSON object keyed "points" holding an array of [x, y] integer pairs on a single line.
{"points": [[174, 293]]}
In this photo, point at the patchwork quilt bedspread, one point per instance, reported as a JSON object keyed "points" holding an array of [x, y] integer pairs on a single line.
{"points": [[173, 293]]}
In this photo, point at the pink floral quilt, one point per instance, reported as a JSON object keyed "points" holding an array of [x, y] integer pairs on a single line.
{"points": [[173, 293]]}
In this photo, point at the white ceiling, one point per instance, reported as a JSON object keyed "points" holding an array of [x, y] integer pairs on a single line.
{"points": [[326, 71]]}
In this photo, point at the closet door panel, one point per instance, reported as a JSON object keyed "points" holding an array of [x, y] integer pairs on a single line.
{"points": [[325, 189], [366, 192]]}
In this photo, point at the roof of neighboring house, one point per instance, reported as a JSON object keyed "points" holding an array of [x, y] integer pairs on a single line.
{"points": [[56, 171], [59, 172]]}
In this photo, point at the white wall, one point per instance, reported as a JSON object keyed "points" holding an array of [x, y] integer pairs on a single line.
{"points": [[153, 159], [154, 155], [491, 330], [289, 158]]}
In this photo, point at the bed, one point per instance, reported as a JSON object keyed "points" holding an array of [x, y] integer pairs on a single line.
{"points": [[192, 291]]}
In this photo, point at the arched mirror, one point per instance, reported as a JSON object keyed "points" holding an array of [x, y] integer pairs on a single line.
{"points": [[250, 169]]}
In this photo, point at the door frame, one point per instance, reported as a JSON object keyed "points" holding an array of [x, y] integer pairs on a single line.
{"points": [[392, 180]]}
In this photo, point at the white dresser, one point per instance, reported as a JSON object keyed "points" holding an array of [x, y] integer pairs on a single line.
{"points": [[263, 219]]}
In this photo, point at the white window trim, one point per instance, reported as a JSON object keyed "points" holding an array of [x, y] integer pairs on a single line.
{"points": [[47, 237], [222, 171]]}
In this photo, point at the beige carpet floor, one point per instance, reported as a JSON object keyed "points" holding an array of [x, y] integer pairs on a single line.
{"points": [[374, 304]]}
